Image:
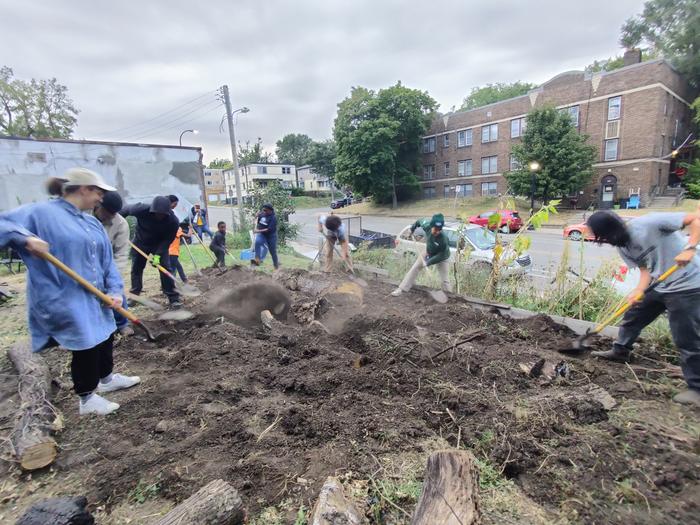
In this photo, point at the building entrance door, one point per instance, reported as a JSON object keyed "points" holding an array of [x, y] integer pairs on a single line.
{"points": [[608, 191]]}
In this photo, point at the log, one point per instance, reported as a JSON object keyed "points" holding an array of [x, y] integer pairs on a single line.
{"points": [[58, 511], [450, 493], [37, 418], [333, 507], [217, 503]]}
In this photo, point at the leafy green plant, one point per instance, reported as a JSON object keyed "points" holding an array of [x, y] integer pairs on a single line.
{"points": [[283, 204], [144, 491]]}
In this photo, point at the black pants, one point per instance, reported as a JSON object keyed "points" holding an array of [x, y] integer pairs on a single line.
{"points": [[220, 254], [89, 366], [683, 316], [138, 263], [175, 265]]}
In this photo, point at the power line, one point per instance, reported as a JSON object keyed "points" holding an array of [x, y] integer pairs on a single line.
{"points": [[179, 124], [138, 125], [180, 118]]}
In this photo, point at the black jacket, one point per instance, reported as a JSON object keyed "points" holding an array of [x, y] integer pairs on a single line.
{"points": [[152, 235]]}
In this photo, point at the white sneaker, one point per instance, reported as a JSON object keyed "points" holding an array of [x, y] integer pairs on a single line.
{"points": [[397, 292], [126, 331], [97, 405], [118, 382]]}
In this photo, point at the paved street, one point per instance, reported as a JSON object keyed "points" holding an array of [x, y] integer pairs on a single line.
{"points": [[546, 249]]}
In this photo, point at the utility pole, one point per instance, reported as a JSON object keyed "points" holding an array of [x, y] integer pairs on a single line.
{"points": [[236, 173]]}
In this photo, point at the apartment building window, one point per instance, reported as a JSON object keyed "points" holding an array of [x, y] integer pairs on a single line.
{"points": [[286, 170], [446, 191], [429, 193], [514, 164], [429, 145], [489, 133], [464, 190], [447, 169], [572, 112], [464, 138], [489, 165], [262, 170], [429, 172], [614, 105], [489, 188], [611, 149], [446, 140], [517, 127], [464, 168]]}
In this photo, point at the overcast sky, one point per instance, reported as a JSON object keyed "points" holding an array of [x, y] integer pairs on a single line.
{"points": [[290, 62]]}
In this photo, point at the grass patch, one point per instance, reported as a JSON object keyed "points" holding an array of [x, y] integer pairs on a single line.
{"points": [[451, 207], [144, 491], [306, 202]]}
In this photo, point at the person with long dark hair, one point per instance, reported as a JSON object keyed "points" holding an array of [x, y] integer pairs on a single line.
{"points": [[61, 312], [654, 243]]}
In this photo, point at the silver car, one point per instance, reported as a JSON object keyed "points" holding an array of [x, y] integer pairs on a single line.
{"points": [[477, 242]]}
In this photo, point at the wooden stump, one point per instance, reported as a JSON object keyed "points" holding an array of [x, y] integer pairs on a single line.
{"points": [[31, 438], [217, 503], [333, 507], [450, 493]]}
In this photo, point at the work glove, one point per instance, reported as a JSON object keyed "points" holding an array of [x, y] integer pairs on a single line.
{"points": [[155, 260]]}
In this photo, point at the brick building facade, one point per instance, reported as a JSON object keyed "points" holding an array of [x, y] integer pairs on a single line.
{"points": [[635, 116]]}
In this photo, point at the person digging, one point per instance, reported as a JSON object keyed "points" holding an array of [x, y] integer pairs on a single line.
{"points": [[437, 252], [654, 243], [156, 228], [333, 231], [218, 244]]}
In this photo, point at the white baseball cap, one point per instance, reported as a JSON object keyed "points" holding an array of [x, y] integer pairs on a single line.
{"points": [[85, 177]]}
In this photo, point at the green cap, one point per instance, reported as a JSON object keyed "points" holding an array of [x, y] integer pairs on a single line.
{"points": [[438, 220]]}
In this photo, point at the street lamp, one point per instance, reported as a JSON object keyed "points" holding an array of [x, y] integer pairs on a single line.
{"points": [[534, 168], [194, 131]]}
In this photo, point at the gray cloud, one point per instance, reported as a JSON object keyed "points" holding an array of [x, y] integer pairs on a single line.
{"points": [[291, 62]]}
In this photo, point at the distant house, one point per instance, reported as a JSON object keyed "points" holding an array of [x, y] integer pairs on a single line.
{"points": [[309, 180], [214, 187], [260, 175]]}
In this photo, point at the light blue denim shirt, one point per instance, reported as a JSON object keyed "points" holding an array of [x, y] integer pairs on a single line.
{"points": [[58, 307]]}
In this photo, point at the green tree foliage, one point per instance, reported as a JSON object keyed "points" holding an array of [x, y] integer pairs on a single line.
{"points": [[691, 181], [322, 158], [490, 93], [283, 204], [673, 28], [223, 164], [565, 158], [254, 154], [378, 140], [38, 108], [613, 63], [293, 149]]}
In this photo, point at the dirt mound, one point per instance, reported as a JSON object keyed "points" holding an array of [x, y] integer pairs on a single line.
{"points": [[264, 410]]}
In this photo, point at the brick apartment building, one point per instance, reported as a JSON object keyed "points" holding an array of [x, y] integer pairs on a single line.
{"points": [[635, 116]]}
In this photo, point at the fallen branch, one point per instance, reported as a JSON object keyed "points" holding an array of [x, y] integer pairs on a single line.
{"points": [[31, 438], [470, 337], [215, 503], [333, 506]]}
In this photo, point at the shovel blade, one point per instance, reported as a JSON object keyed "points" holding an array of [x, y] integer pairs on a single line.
{"points": [[439, 296], [188, 290], [578, 345], [176, 315], [150, 335]]}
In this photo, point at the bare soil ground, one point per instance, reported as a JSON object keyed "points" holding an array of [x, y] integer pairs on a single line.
{"points": [[276, 411]]}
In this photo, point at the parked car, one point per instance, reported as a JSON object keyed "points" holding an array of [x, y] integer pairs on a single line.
{"points": [[576, 231], [510, 220], [477, 240], [341, 203]]}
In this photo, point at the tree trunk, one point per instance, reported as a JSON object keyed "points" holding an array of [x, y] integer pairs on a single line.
{"points": [[217, 503], [33, 445], [450, 491], [333, 507]]}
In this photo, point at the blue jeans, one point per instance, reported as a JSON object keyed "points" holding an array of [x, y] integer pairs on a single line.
{"points": [[119, 318], [201, 230], [265, 243]]}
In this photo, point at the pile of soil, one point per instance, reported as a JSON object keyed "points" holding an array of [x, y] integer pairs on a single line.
{"points": [[275, 412]]}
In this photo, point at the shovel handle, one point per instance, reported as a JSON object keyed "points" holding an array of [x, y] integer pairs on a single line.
{"points": [[148, 258], [617, 313], [89, 287]]}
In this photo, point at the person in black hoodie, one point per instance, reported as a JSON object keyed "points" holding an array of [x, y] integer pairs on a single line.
{"points": [[156, 227], [266, 235], [218, 244]]}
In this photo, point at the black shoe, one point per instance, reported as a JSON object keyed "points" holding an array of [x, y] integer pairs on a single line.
{"points": [[616, 354], [176, 304]]}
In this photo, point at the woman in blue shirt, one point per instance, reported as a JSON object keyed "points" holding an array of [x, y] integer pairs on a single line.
{"points": [[60, 311]]}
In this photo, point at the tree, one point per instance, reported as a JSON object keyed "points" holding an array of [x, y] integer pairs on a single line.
{"points": [[378, 140], [671, 27], [293, 149], [38, 108], [490, 93], [222, 164], [254, 154], [322, 159], [283, 204], [565, 158], [613, 63], [691, 181]]}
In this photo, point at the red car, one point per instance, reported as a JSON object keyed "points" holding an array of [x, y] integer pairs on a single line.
{"points": [[510, 220], [576, 231]]}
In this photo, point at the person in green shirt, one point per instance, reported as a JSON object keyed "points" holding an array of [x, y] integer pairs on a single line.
{"points": [[437, 252]]}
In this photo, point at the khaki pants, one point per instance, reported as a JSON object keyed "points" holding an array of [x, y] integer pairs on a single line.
{"points": [[443, 269]]}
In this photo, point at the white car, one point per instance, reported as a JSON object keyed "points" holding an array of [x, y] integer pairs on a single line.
{"points": [[478, 241]]}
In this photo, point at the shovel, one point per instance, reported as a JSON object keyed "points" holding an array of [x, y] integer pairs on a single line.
{"points": [[353, 277], [579, 344], [100, 295], [323, 245], [437, 295], [182, 288], [211, 255], [194, 263]]}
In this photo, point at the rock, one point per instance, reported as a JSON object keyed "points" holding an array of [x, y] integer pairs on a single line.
{"points": [[162, 426]]}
